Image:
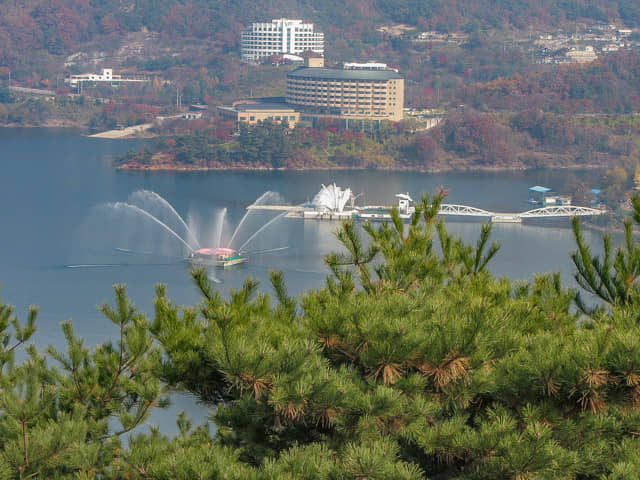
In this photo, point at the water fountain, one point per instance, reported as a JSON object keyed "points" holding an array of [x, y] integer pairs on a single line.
{"points": [[148, 226], [153, 218], [222, 253], [162, 210]]}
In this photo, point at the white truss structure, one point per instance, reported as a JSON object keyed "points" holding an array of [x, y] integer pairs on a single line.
{"points": [[451, 209], [553, 211], [561, 211]]}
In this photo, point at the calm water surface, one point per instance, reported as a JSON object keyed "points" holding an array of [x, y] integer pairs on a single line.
{"points": [[51, 182]]}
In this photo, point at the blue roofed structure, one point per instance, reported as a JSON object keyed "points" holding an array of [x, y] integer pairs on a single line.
{"points": [[540, 196]]}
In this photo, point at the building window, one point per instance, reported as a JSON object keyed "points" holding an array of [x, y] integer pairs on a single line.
{"points": [[252, 118]]}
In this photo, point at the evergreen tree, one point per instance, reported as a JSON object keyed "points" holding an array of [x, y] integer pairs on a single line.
{"points": [[412, 362], [66, 421], [613, 278]]}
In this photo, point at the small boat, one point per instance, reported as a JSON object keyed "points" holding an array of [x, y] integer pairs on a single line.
{"points": [[217, 257]]}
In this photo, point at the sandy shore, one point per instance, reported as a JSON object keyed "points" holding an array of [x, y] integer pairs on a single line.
{"points": [[135, 130], [124, 132]]}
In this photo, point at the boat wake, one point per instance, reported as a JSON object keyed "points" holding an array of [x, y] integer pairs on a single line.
{"points": [[269, 250], [98, 265], [132, 252], [114, 265]]}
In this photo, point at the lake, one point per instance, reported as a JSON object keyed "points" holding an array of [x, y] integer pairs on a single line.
{"points": [[54, 185]]}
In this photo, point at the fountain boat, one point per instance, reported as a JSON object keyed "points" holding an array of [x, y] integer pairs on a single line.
{"points": [[218, 257]]}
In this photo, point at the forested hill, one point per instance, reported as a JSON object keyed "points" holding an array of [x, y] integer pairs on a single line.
{"points": [[608, 85], [43, 28]]}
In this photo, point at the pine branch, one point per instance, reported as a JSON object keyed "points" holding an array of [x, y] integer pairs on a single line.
{"points": [[612, 277], [287, 303]]}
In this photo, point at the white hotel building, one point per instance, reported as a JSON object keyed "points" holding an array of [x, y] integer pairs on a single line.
{"points": [[281, 36]]}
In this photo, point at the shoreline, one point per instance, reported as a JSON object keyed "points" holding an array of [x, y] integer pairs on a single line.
{"points": [[183, 168], [140, 132]]}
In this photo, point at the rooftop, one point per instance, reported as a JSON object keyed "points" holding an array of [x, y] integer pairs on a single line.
{"points": [[243, 107], [340, 74]]}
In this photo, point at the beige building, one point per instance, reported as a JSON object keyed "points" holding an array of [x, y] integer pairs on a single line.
{"points": [[252, 113], [349, 93]]}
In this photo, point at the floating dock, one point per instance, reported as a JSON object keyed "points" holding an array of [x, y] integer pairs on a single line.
{"points": [[382, 213], [331, 204]]}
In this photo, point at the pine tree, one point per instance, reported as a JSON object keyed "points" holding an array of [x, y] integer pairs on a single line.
{"points": [[66, 421], [415, 363], [411, 362], [611, 278]]}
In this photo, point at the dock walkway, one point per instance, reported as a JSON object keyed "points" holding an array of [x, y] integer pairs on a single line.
{"points": [[449, 209]]}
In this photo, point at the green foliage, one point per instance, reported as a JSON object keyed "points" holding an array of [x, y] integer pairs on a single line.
{"points": [[5, 94], [611, 278], [412, 362], [66, 422], [409, 256], [265, 143]]}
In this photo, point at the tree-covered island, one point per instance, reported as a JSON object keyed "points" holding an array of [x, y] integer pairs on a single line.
{"points": [[412, 361]]}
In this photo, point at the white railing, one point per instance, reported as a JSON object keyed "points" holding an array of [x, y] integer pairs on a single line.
{"points": [[552, 211], [561, 211], [465, 210], [451, 209]]}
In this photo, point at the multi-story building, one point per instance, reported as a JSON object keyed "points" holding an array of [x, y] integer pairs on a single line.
{"points": [[260, 40], [353, 93]]}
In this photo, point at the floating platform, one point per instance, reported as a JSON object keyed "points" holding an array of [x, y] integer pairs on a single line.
{"points": [[324, 215], [506, 219], [376, 213], [331, 204]]}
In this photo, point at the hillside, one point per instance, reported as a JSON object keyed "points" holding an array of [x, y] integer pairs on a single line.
{"points": [[161, 34]]}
